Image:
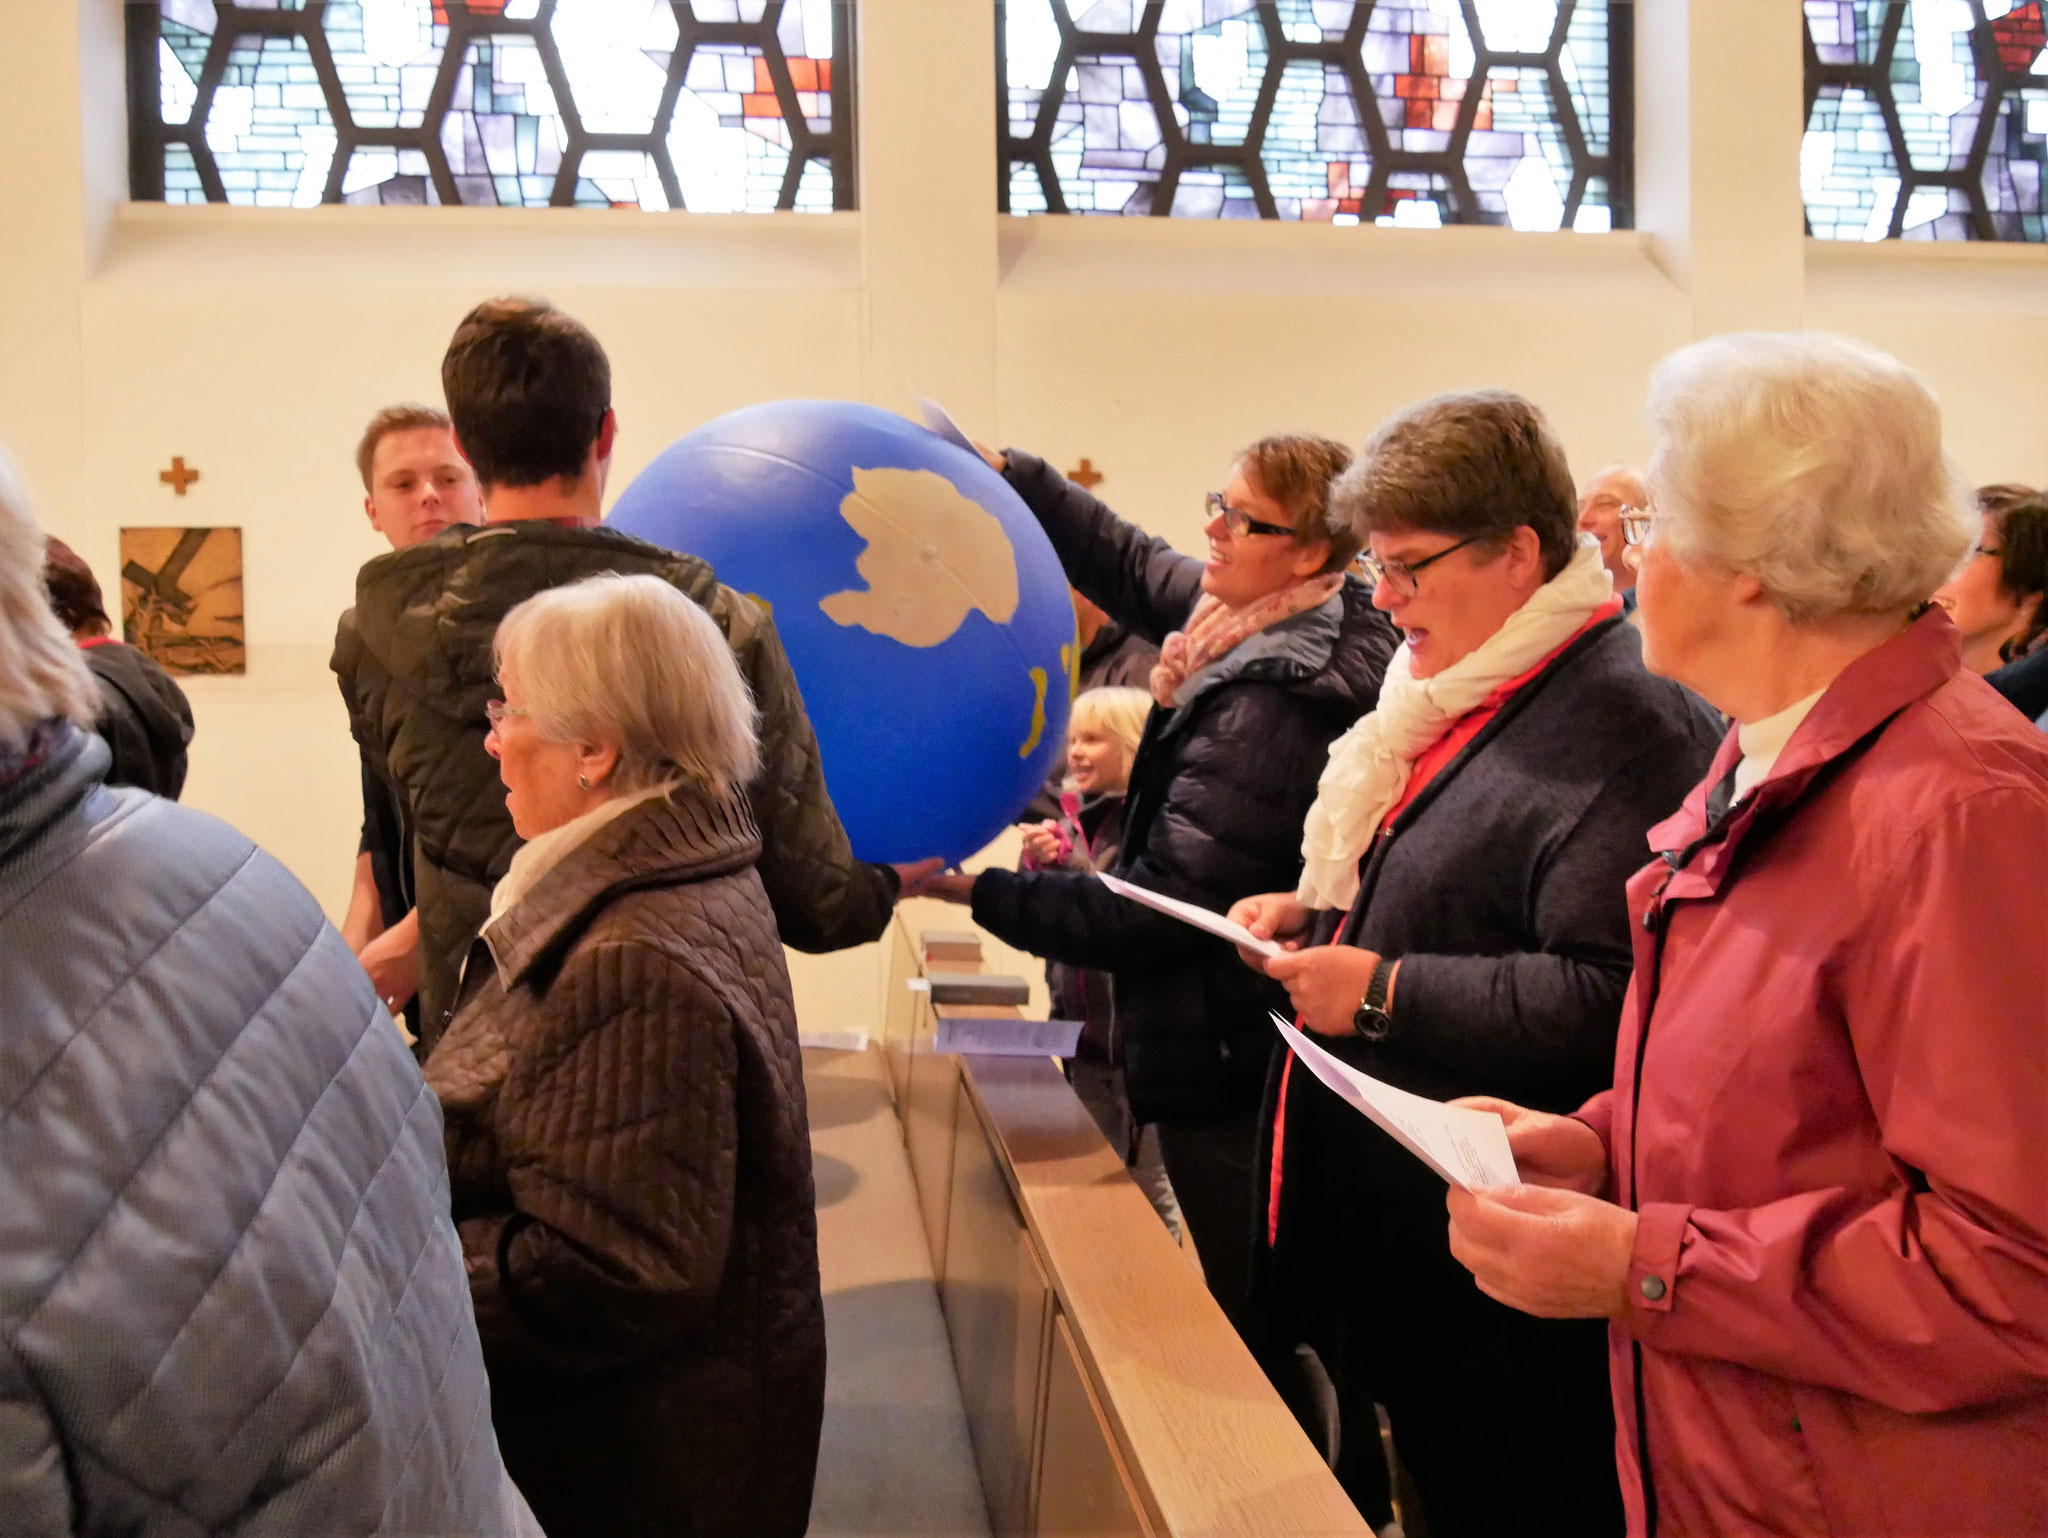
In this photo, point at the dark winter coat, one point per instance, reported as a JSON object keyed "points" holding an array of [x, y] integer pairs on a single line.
{"points": [[1500, 889], [1218, 793], [231, 1298], [146, 719], [632, 1178], [2024, 683], [414, 662]]}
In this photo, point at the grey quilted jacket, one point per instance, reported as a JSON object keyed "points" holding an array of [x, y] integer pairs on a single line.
{"points": [[231, 1297]]}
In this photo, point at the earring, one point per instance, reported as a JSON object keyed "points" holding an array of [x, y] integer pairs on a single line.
{"points": [[583, 780]]}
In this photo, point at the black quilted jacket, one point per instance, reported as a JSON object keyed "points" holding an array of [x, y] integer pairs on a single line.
{"points": [[1219, 790], [414, 661], [631, 1172]]}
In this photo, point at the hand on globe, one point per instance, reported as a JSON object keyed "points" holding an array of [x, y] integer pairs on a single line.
{"points": [[914, 875]]}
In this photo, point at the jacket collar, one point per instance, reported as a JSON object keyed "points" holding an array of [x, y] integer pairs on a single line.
{"points": [[688, 836], [1868, 693], [1296, 648], [61, 767]]}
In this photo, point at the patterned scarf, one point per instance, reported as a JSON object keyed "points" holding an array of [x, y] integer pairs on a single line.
{"points": [[1214, 630]]}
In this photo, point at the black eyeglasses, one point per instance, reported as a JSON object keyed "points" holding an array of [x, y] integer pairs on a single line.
{"points": [[1401, 575], [1242, 523]]}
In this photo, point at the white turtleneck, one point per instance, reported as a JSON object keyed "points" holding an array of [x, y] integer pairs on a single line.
{"points": [[544, 851], [1762, 741]]}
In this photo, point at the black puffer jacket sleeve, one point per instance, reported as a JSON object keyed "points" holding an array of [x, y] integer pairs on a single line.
{"points": [[824, 898], [1228, 825], [1137, 579]]}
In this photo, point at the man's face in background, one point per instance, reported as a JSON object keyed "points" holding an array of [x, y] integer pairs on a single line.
{"points": [[419, 485]]}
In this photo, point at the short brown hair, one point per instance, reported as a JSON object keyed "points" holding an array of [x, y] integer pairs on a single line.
{"points": [[1478, 466], [1296, 470], [74, 591], [404, 418], [528, 387]]}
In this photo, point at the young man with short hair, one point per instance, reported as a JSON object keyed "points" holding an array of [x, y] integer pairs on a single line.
{"points": [[529, 391], [415, 484]]}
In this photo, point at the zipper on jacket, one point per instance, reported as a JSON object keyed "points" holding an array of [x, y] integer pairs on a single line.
{"points": [[1654, 922]]}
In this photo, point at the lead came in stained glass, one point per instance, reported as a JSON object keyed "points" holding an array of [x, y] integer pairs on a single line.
{"points": [[1241, 109], [1925, 119], [709, 105]]}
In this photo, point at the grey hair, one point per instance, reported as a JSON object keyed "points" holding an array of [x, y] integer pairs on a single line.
{"points": [[42, 673], [1812, 462], [630, 660]]}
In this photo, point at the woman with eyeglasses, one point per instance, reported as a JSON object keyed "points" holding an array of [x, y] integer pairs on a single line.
{"points": [[623, 1091], [1269, 651], [1999, 599], [1460, 929], [1809, 1207]]}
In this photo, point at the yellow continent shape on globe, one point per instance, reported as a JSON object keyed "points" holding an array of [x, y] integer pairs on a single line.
{"points": [[933, 556]]}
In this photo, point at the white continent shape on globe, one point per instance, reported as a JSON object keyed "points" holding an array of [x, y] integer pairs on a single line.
{"points": [[933, 556]]}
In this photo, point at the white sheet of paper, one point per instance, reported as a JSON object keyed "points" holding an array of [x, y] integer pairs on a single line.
{"points": [[1468, 1148], [1215, 923], [940, 421]]}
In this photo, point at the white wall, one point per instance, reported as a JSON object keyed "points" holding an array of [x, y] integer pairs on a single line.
{"points": [[256, 342]]}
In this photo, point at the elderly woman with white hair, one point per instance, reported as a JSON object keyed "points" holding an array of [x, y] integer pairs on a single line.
{"points": [[624, 1091], [1812, 1206]]}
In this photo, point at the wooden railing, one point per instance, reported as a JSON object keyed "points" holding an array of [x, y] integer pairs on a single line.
{"points": [[1106, 1393]]}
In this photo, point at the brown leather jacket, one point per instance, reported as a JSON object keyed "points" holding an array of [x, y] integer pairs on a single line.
{"points": [[631, 1171], [414, 661]]}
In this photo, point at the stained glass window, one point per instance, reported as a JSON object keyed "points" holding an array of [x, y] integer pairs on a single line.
{"points": [[715, 106], [1926, 119], [1408, 112]]}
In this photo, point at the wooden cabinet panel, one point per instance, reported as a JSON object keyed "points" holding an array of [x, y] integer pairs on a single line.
{"points": [[899, 1010], [931, 1108], [997, 1305], [1083, 1491]]}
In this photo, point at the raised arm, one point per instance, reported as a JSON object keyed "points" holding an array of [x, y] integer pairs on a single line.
{"points": [[1229, 825], [825, 899], [1137, 579]]}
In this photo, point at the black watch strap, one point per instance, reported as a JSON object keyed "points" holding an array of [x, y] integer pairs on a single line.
{"points": [[1371, 1019]]}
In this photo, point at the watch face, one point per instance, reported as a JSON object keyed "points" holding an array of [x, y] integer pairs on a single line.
{"points": [[1373, 1024]]}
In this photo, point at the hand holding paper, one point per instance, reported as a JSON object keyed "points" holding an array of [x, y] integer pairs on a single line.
{"points": [[1212, 923], [1468, 1148]]}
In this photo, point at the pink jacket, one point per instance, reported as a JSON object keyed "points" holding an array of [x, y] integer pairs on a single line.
{"points": [[1831, 1113]]}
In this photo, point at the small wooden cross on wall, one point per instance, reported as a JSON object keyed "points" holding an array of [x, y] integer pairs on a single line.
{"points": [[1085, 475], [178, 477]]}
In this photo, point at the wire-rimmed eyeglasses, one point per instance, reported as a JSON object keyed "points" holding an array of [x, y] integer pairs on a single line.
{"points": [[1240, 522], [1401, 575], [495, 711], [1635, 523]]}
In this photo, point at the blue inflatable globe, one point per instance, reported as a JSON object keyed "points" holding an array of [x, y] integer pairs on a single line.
{"points": [[924, 612]]}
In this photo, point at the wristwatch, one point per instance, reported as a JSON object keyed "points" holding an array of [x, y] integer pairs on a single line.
{"points": [[1371, 1019]]}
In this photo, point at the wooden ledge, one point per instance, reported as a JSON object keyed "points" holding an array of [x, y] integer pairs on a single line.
{"points": [[1213, 1450]]}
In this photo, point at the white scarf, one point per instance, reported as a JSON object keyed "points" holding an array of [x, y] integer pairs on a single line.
{"points": [[543, 852], [1369, 765]]}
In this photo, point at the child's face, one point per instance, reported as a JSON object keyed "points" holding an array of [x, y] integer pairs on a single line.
{"points": [[1096, 762]]}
